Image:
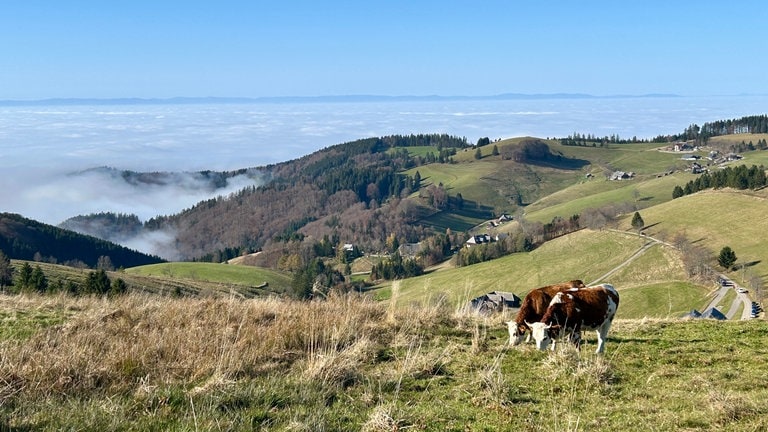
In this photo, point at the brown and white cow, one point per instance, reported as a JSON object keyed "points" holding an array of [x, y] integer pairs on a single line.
{"points": [[572, 311], [534, 306]]}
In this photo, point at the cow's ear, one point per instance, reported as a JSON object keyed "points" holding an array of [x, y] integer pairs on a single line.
{"points": [[554, 328]]}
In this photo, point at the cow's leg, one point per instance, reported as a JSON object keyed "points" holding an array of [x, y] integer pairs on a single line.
{"points": [[528, 336], [602, 336]]}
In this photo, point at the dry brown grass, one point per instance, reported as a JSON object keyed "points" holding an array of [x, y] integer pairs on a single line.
{"points": [[121, 344], [347, 363], [140, 342]]}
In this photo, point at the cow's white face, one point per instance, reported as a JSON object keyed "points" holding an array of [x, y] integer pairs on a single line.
{"points": [[516, 333], [540, 333]]}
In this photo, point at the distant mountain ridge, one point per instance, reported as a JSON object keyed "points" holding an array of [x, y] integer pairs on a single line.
{"points": [[319, 99]]}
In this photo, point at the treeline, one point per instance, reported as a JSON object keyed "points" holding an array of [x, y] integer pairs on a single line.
{"points": [[29, 240], [434, 140], [591, 140], [700, 134], [29, 279], [516, 242], [743, 146], [739, 177], [748, 124], [396, 267], [444, 155]]}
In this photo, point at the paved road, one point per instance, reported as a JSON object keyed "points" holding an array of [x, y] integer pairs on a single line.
{"points": [[741, 299]]}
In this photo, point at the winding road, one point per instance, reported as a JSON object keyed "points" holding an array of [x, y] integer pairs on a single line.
{"points": [[741, 298]]}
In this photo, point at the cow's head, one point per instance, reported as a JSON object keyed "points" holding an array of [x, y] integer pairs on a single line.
{"points": [[516, 332], [543, 334]]}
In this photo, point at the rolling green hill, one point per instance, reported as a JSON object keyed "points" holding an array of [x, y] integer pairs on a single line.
{"points": [[568, 180], [245, 277], [597, 192], [188, 279], [655, 283], [549, 190], [714, 219]]}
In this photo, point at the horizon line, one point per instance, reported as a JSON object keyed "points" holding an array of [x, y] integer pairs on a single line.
{"points": [[324, 98]]}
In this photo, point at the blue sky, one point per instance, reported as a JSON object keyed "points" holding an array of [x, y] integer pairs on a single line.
{"points": [[227, 48]]}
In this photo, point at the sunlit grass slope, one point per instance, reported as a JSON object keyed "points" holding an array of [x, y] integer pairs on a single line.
{"points": [[218, 273], [597, 192], [195, 279], [587, 255], [714, 219]]}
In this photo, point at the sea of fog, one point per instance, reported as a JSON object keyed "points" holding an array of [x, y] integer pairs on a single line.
{"points": [[46, 152]]}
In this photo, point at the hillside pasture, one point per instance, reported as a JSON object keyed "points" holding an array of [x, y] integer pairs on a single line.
{"points": [[640, 158], [735, 139], [189, 279], [495, 182], [598, 192], [457, 221], [586, 255], [672, 299], [714, 219], [245, 276]]}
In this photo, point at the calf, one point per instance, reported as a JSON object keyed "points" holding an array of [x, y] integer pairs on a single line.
{"points": [[533, 308], [571, 311]]}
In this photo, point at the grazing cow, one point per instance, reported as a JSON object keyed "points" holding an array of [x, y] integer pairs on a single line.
{"points": [[533, 307], [569, 312]]}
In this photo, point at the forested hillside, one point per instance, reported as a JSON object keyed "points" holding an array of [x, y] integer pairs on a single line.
{"points": [[26, 239], [353, 192]]}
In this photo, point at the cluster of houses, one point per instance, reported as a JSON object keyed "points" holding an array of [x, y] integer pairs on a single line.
{"points": [[714, 156], [697, 167], [479, 239]]}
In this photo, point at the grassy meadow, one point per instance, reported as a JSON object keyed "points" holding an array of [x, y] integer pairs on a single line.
{"points": [[714, 219], [214, 272], [180, 278], [143, 362], [597, 192], [655, 281]]}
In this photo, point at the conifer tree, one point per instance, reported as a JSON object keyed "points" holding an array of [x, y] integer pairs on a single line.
{"points": [[6, 271], [727, 258]]}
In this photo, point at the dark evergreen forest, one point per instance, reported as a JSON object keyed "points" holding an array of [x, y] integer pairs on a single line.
{"points": [[26, 239]]}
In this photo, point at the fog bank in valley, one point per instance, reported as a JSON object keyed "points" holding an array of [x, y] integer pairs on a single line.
{"points": [[48, 154]]}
